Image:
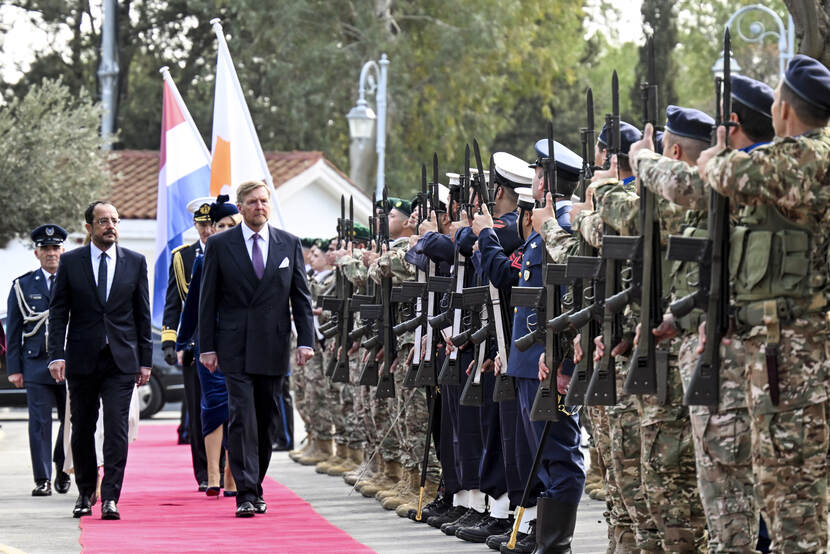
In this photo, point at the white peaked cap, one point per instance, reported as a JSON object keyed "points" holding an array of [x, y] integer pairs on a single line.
{"points": [[513, 169]]}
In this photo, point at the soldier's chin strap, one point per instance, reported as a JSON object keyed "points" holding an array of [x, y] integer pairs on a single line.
{"points": [[40, 319], [519, 223]]}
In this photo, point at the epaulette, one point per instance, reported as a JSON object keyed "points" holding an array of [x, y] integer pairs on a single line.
{"points": [[24, 275], [178, 270], [182, 247]]}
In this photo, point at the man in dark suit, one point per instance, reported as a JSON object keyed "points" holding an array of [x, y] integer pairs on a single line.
{"points": [[253, 281], [178, 282], [100, 341], [28, 310]]}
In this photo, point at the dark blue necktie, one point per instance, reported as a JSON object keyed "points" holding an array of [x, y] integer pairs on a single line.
{"points": [[51, 284], [102, 278]]}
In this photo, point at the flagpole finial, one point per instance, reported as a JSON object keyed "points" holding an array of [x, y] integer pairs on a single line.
{"points": [[216, 21], [164, 70]]}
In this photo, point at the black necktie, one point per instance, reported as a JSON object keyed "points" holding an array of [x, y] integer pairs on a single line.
{"points": [[102, 278], [51, 283]]}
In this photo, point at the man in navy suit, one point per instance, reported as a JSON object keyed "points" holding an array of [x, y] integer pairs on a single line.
{"points": [[253, 281], [28, 310], [100, 341]]}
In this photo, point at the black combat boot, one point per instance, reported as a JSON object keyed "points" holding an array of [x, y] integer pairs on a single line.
{"points": [[525, 545], [555, 523], [471, 518], [487, 527], [438, 507], [447, 517]]}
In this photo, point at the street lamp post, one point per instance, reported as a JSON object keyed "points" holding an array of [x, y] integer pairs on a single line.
{"points": [[757, 32], [363, 120]]}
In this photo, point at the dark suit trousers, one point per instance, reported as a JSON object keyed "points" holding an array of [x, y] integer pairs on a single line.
{"points": [[40, 399], [115, 390], [193, 401], [254, 405]]}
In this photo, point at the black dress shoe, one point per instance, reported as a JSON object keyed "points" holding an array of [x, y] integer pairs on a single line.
{"points": [[246, 509], [495, 541], [440, 506], [525, 545], [229, 493], [109, 510], [62, 482], [450, 515], [470, 519], [83, 506], [487, 527], [203, 486], [42, 488], [260, 506]]}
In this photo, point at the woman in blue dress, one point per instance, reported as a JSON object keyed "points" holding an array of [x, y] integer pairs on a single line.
{"points": [[224, 215]]}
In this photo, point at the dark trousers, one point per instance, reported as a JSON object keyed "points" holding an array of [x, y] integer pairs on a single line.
{"points": [[284, 424], [446, 450], [562, 469], [253, 402], [40, 399], [193, 400], [491, 469], [114, 389], [515, 450]]}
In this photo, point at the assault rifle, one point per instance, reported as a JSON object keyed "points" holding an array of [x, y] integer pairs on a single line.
{"points": [[712, 255], [584, 288], [386, 382]]}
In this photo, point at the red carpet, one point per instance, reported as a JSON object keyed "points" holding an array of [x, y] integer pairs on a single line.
{"points": [[162, 512]]}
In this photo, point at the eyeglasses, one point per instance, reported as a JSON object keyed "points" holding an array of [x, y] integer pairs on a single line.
{"points": [[104, 221]]}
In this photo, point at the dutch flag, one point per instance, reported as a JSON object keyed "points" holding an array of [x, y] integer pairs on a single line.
{"points": [[184, 174]]}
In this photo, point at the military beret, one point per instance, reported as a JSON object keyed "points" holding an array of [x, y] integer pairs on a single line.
{"points": [[48, 235], [361, 232], [200, 208], [511, 171], [629, 134], [809, 79], [658, 142], [689, 123], [568, 162], [403, 206], [222, 208], [322, 244], [753, 94], [308, 242]]}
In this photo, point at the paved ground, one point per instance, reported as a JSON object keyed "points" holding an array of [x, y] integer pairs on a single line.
{"points": [[45, 525]]}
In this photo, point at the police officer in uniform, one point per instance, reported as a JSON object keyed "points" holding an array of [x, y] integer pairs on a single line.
{"points": [[181, 267], [28, 332]]}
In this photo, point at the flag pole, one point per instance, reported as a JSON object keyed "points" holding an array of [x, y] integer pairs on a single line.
{"points": [[216, 23]]}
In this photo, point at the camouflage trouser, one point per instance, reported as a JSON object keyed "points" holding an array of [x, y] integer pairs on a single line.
{"points": [[616, 514], [298, 389], [354, 430], [382, 414], [789, 443], [318, 398], [723, 446], [624, 435], [668, 462]]}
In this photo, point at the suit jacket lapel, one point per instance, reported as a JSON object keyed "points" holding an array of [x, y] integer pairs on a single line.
{"points": [[86, 262], [119, 271], [239, 253], [275, 256]]}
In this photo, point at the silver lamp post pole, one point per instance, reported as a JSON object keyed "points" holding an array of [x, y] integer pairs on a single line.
{"points": [[363, 122], [756, 31], [108, 73]]}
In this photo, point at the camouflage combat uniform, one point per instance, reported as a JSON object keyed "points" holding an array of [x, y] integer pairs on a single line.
{"points": [[666, 464], [411, 426], [789, 440], [317, 399], [560, 244], [721, 438]]}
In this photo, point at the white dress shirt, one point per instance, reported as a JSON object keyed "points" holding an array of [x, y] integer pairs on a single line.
{"points": [[265, 237], [46, 276], [96, 258]]}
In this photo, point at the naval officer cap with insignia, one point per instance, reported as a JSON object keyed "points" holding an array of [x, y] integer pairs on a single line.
{"points": [[511, 172], [568, 167], [200, 208], [48, 235]]}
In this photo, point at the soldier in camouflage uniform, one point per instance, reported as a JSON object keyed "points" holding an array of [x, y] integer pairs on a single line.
{"points": [[721, 437], [315, 400], [782, 193]]}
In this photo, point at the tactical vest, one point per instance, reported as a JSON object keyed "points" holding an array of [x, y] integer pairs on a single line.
{"points": [[770, 262], [686, 275]]}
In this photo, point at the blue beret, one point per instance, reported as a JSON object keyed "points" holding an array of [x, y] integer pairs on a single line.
{"points": [[753, 94], [689, 123], [810, 80], [222, 208], [658, 142], [49, 234], [568, 162], [629, 134]]}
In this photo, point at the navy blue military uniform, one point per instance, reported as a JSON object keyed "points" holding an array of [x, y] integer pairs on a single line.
{"points": [[27, 324]]}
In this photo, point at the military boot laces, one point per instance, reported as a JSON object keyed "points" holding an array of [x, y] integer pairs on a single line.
{"points": [[471, 518], [439, 506], [450, 515], [487, 527]]}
